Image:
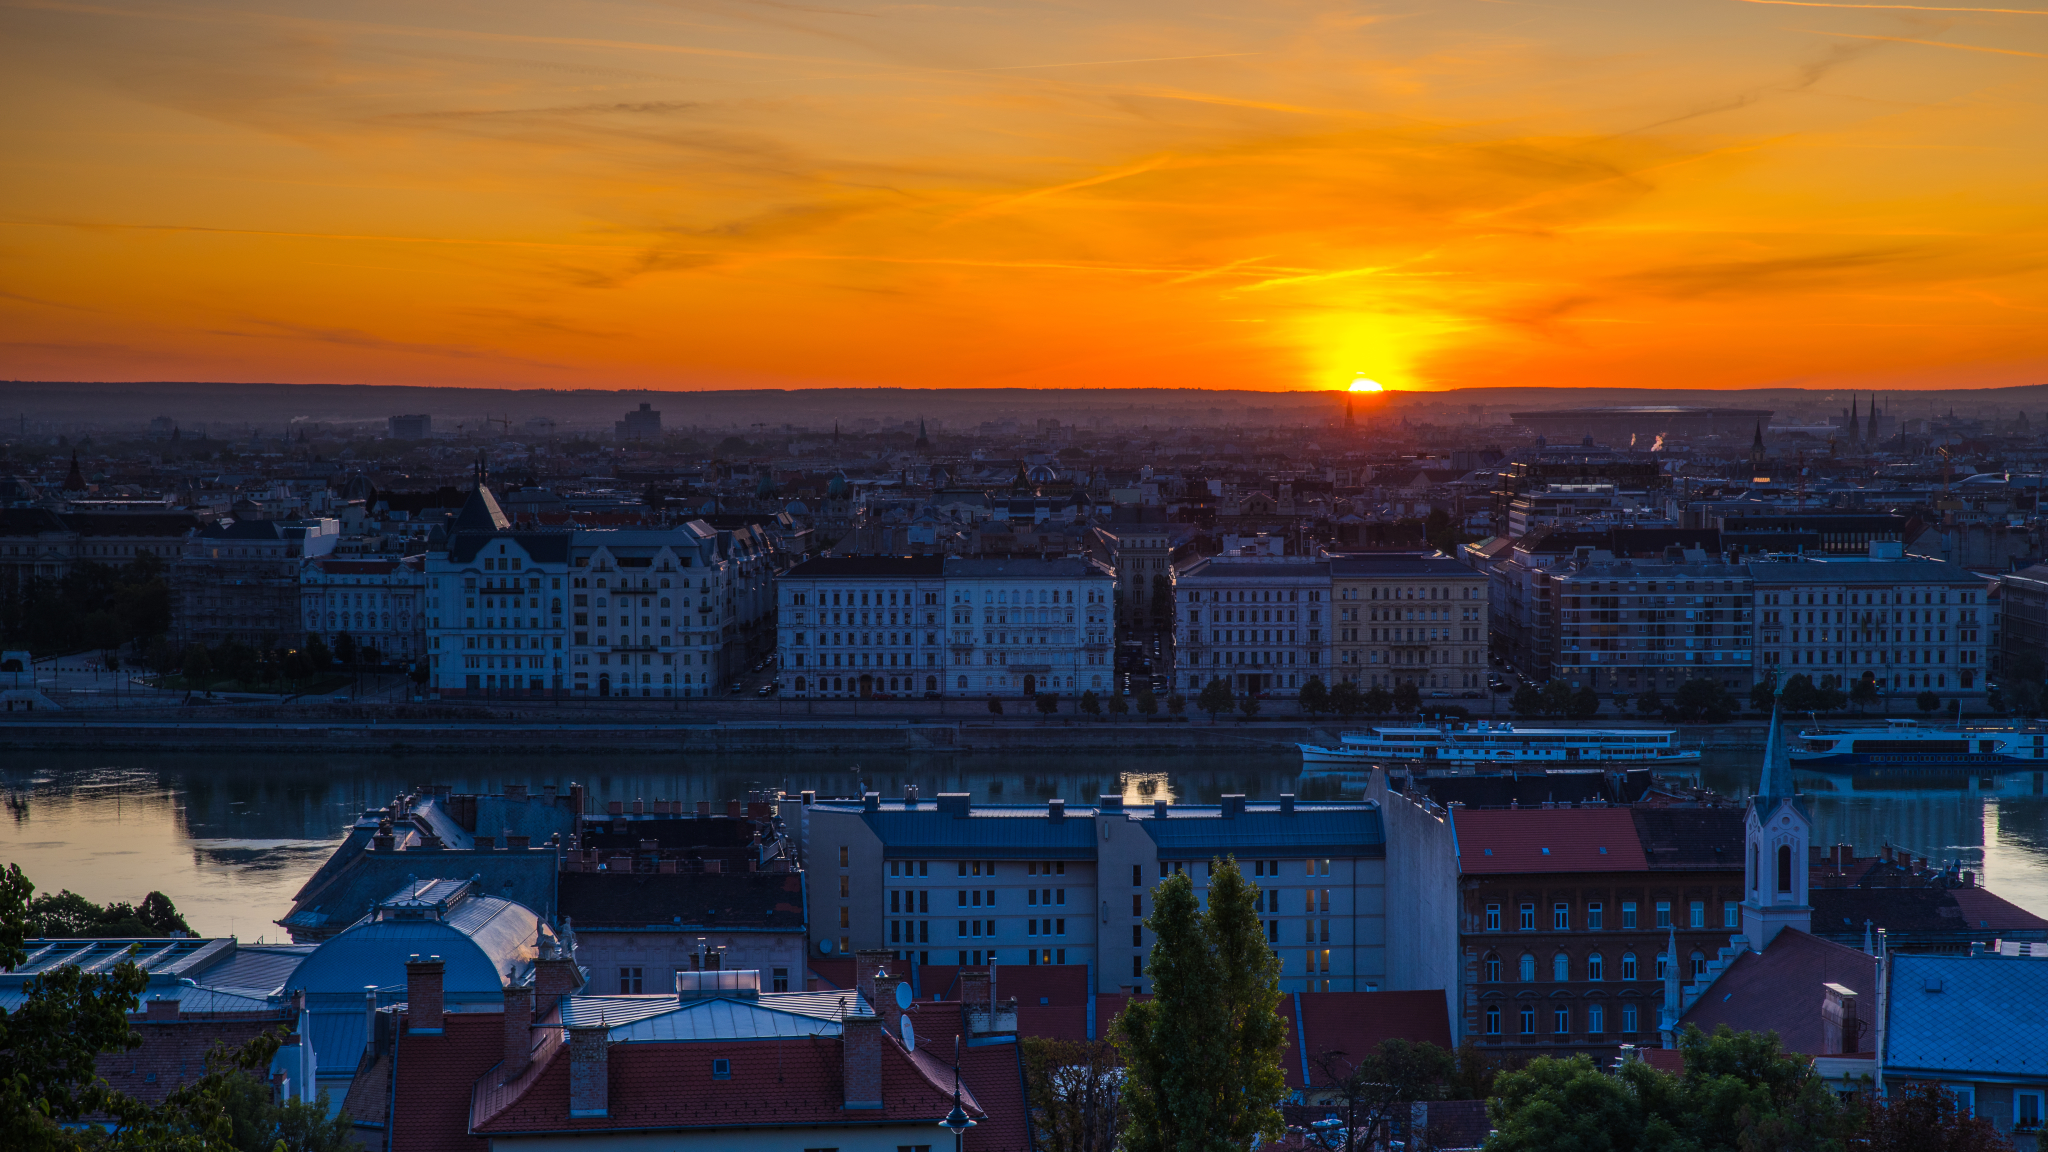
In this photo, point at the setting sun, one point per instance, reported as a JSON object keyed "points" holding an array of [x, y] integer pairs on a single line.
{"points": [[1363, 385]]}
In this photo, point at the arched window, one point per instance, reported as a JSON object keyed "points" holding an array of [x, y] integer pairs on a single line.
{"points": [[1628, 965], [1596, 967], [1492, 968], [1528, 968], [1784, 867], [1560, 967]]}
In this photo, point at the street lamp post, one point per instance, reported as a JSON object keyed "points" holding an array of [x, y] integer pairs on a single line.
{"points": [[957, 1121]]}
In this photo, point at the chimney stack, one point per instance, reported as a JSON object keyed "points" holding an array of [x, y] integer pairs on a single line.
{"points": [[162, 1010], [867, 963], [553, 978], [518, 1031], [423, 994], [861, 1037], [589, 1070], [369, 1015]]}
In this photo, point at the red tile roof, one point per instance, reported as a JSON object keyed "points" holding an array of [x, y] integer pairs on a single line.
{"points": [[669, 1086], [1779, 990], [1027, 984], [1987, 911], [1530, 840], [1355, 1023], [173, 1053], [1055, 1022], [833, 974]]}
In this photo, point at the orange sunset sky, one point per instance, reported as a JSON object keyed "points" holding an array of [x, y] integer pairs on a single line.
{"points": [[1270, 194]]}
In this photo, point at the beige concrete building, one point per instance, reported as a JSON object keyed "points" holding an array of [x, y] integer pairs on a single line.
{"points": [[1410, 617]]}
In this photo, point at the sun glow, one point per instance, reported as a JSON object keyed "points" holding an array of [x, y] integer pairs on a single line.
{"points": [[1363, 385]]}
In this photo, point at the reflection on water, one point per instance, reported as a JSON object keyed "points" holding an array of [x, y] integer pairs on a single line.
{"points": [[230, 838]]}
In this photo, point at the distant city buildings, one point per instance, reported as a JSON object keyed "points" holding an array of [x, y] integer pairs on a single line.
{"points": [[641, 424], [418, 427]]}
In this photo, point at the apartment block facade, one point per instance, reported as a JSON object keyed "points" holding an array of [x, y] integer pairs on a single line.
{"points": [[376, 603], [956, 882], [862, 626], [1630, 625], [1912, 624], [1407, 617], [1256, 622]]}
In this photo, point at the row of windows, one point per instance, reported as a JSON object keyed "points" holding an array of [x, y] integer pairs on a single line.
{"points": [[1595, 968], [1561, 1019], [1596, 916]]}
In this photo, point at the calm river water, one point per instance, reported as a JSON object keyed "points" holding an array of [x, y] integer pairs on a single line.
{"points": [[230, 838]]}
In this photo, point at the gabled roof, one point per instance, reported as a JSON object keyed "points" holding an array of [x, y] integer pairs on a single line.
{"points": [[1779, 990], [1983, 1014], [1535, 840], [480, 513]]}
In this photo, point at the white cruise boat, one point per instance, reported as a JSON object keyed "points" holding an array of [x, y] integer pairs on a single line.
{"points": [[1484, 742], [1910, 746]]}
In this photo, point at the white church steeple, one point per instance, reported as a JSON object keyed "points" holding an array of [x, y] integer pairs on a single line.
{"points": [[1775, 835]]}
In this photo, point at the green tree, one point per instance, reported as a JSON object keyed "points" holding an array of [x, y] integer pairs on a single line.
{"points": [[1762, 695], [1703, 701], [345, 649], [1556, 698], [1176, 705], [67, 915], [1569, 1105], [1377, 701], [1585, 704], [1202, 1057], [1407, 697], [1091, 704], [1216, 698], [1147, 703], [1371, 1089], [1346, 700], [1315, 699], [260, 1123], [1441, 532], [1118, 706], [1074, 1091], [317, 654], [1650, 704], [1924, 1117], [1527, 701], [1248, 704], [198, 666], [995, 706], [1047, 703], [1797, 694], [1864, 693], [1927, 702]]}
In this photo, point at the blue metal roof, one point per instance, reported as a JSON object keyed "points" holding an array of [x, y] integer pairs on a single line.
{"points": [[1978, 1016], [987, 832], [1199, 833]]}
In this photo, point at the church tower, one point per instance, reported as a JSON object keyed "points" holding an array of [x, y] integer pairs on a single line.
{"points": [[1776, 832], [1756, 452]]}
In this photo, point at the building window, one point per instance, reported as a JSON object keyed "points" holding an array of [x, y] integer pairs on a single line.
{"points": [[781, 976], [1699, 965], [1560, 968], [1528, 917], [1492, 968], [1628, 913], [1594, 914], [1561, 917], [1528, 1019], [721, 1069], [1493, 917], [1662, 960], [630, 981], [2026, 1110], [1628, 1018], [1528, 968], [1493, 1019], [1561, 1021], [1699, 914], [1596, 967], [1731, 914], [1663, 913], [1628, 965]]}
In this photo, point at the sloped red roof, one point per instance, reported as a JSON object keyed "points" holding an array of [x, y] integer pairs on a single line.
{"points": [[1054, 1022], [1355, 1023], [1531, 840], [1027, 984], [773, 1082], [834, 973], [1779, 990], [1987, 911]]}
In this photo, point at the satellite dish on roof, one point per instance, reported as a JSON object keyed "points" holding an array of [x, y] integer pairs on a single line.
{"points": [[825, 945], [903, 996], [909, 1036]]}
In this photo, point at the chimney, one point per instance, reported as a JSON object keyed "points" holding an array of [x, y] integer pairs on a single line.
{"points": [[383, 841], [518, 1031], [862, 1040], [589, 1070], [639, 806], [867, 962], [1233, 805], [615, 808], [714, 866], [518, 843], [732, 809], [162, 1010], [369, 1015], [1159, 808], [515, 791], [486, 844], [1840, 1030], [1111, 802], [871, 802], [973, 989], [703, 809], [910, 796], [1056, 809], [1287, 803], [423, 994], [553, 978]]}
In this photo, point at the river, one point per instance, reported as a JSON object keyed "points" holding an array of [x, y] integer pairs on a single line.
{"points": [[231, 838]]}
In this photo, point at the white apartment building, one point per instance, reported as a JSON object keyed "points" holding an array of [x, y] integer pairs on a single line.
{"points": [[1912, 623], [376, 603], [1025, 626], [863, 626], [494, 607], [1257, 622], [661, 611]]}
